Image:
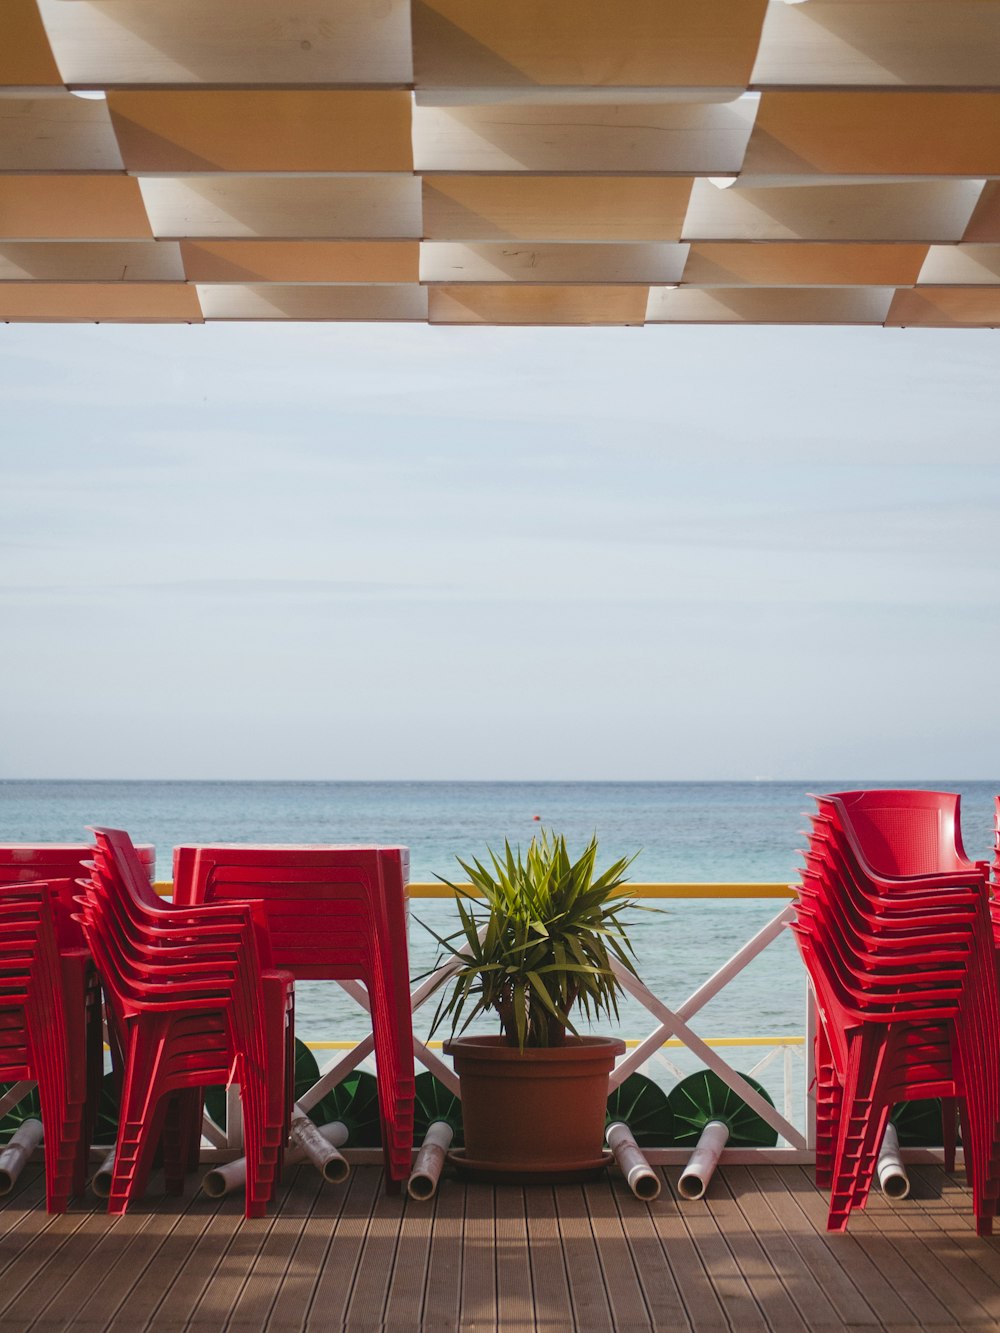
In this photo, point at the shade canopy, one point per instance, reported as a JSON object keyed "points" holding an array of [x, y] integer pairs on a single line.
{"points": [[458, 161]]}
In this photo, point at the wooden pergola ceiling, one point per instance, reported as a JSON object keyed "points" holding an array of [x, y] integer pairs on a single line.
{"points": [[508, 162]]}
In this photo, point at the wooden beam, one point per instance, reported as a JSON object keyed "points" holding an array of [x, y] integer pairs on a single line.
{"points": [[946, 308], [802, 134], [133, 303], [276, 207], [58, 132], [90, 261], [553, 264], [763, 305], [554, 208], [888, 44], [895, 211], [665, 138], [71, 208], [301, 302], [26, 59], [180, 132], [802, 264], [536, 305], [635, 43], [961, 266], [301, 261], [984, 225], [236, 43]]}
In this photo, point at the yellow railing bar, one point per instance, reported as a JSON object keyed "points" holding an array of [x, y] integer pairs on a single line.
{"points": [[164, 888], [629, 1041]]}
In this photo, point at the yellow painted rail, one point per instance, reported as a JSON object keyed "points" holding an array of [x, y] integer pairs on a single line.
{"points": [[165, 887]]}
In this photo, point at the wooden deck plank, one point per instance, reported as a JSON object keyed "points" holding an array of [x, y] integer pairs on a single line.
{"points": [[660, 1288], [374, 1272], [320, 1217], [531, 1260], [479, 1281], [550, 1286], [587, 1293], [333, 1290], [814, 1249], [625, 1294], [810, 1300], [405, 1301], [854, 1259], [515, 1295], [719, 1263], [252, 1307]]}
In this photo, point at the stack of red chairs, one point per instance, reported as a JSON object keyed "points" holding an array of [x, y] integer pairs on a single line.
{"points": [[333, 913], [50, 1028], [894, 927], [192, 1004], [60, 863]]}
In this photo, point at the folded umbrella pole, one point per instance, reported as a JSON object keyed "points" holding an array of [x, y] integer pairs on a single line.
{"points": [[307, 1142], [892, 1177], [430, 1161], [20, 1146], [703, 1161], [642, 1180]]}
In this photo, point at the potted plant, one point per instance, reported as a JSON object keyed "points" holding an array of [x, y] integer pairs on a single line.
{"points": [[536, 943]]}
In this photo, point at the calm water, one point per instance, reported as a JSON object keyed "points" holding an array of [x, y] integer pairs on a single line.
{"points": [[683, 831]]}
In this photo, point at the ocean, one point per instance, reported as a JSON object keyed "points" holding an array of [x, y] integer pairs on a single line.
{"points": [[687, 832]]}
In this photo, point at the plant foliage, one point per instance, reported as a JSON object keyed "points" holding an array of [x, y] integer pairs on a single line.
{"points": [[538, 936]]}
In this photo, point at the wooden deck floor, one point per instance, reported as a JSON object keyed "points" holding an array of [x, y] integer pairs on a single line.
{"points": [[753, 1256]]}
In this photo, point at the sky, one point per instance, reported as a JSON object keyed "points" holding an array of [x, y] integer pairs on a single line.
{"points": [[400, 552]]}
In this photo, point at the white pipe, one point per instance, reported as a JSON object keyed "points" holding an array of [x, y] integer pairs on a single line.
{"points": [[100, 1181], [21, 1144], [233, 1175], [705, 1158], [643, 1181], [892, 1175], [427, 1168]]}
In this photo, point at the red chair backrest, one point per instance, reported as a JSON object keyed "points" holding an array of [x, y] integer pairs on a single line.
{"points": [[903, 832]]}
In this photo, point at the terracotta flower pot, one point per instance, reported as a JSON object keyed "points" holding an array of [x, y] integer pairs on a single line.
{"points": [[536, 1115]]}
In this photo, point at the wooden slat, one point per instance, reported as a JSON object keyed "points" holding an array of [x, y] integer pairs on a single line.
{"points": [[56, 133], [549, 1281], [946, 308], [443, 1284], [385, 207], [300, 261], [85, 261], [335, 1282], [665, 137], [132, 302], [984, 225], [234, 42], [805, 264], [895, 211], [926, 43], [769, 305], [515, 304], [621, 1282], [180, 132], [643, 43], [301, 302], [660, 1288], [554, 208], [26, 59], [72, 208], [875, 134], [532, 262], [961, 265]]}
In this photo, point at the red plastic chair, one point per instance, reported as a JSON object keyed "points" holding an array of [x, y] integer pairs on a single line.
{"points": [[893, 928], [50, 1029], [193, 1006], [334, 913]]}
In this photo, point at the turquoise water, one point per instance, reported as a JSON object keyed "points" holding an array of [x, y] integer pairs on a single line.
{"points": [[683, 831]]}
